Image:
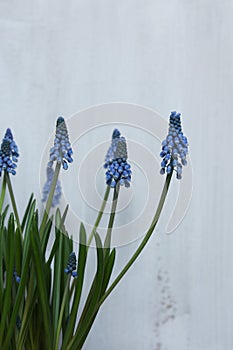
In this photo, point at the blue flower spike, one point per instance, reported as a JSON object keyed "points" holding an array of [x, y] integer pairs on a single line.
{"points": [[174, 148], [8, 154], [61, 151], [47, 186], [72, 265], [118, 169]]}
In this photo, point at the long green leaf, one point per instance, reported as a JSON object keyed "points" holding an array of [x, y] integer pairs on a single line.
{"points": [[57, 238], [58, 270], [2, 253], [25, 217], [75, 343], [18, 251], [3, 215], [82, 257], [61, 315], [39, 265], [67, 249], [46, 234], [9, 276], [54, 247], [108, 267], [24, 277]]}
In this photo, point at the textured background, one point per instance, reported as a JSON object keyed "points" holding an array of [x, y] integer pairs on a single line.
{"points": [[58, 57]]}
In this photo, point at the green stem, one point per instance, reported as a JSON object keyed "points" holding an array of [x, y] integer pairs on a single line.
{"points": [[50, 198], [107, 242], [61, 314], [3, 192], [99, 217], [13, 202], [144, 242]]}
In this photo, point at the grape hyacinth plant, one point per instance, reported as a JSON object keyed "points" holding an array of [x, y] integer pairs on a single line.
{"points": [[174, 147], [61, 152], [17, 278], [8, 154], [116, 162], [72, 265], [42, 276]]}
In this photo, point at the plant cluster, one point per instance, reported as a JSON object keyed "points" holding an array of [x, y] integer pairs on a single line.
{"points": [[41, 287]]}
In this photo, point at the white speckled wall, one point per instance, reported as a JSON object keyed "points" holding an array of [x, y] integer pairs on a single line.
{"points": [[58, 57]]}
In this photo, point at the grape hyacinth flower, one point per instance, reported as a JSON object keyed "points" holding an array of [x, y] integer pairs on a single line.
{"points": [[118, 169], [174, 148], [17, 278], [18, 322], [47, 186], [61, 151], [8, 154], [72, 265]]}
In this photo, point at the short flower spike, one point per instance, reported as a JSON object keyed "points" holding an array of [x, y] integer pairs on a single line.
{"points": [[18, 322], [8, 154], [17, 278], [61, 151], [46, 189], [174, 148], [118, 169], [72, 265]]}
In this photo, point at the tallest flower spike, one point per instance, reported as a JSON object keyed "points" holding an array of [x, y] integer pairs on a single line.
{"points": [[61, 151], [174, 148], [8, 154]]}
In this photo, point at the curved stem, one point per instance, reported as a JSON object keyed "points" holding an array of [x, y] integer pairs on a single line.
{"points": [[99, 217], [144, 241], [61, 314], [50, 198], [107, 242], [3, 192], [13, 202]]}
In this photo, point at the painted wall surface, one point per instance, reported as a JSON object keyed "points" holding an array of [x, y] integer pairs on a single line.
{"points": [[59, 57]]}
